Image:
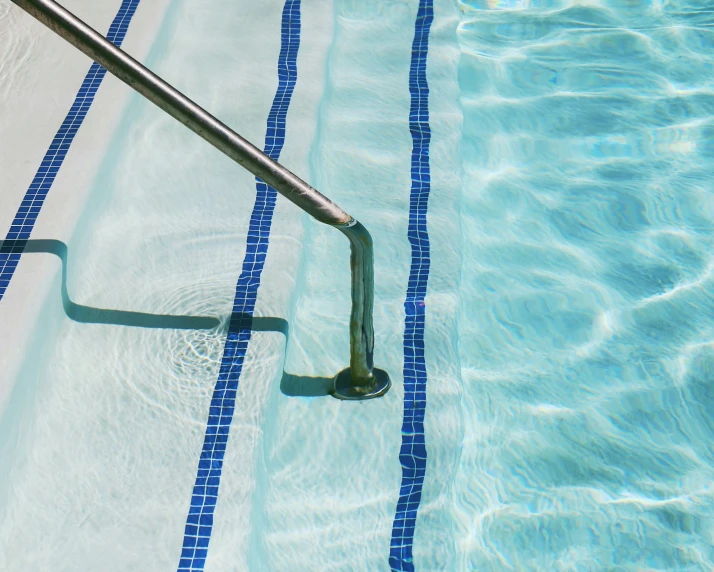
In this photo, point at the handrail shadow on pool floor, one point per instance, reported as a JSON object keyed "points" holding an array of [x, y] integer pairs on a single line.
{"points": [[290, 385]]}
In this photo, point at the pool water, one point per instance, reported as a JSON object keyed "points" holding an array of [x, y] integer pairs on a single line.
{"points": [[568, 338], [586, 330]]}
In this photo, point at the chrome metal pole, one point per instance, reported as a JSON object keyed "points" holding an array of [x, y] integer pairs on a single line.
{"points": [[361, 380]]}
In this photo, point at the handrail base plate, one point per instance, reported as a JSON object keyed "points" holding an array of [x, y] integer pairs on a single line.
{"points": [[343, 388]]}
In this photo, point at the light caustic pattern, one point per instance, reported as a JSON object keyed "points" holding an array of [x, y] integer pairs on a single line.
{"points": [[587, 334]]}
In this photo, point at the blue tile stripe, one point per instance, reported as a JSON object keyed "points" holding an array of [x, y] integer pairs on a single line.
{"points": [[199, 523], [413, 451], [21, 227]]}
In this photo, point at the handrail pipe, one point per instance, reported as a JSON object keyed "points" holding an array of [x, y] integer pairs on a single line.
{"points": [[361, 380]]}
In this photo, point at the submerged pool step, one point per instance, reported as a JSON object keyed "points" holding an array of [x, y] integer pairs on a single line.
{"points": [[359, 381]]}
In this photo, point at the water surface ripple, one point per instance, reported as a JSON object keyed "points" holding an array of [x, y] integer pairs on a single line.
{"points": [[587, 334]]}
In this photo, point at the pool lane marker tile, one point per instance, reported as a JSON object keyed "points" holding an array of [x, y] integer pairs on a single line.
{"points": [[21, 227], [413, 451], [199, 523]]}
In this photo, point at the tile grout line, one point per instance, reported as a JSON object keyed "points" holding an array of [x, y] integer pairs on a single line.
{"points": [[199, 522], [24, 221], [412, 454]]}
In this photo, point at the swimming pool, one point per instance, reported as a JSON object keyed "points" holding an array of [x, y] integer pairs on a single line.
{"points": [[535, 176]]}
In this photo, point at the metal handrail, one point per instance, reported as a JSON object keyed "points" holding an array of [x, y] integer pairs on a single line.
{"points": [[361, 380]]}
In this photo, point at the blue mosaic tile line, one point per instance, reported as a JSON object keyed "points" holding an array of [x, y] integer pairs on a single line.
{"points": [[21, 227], [199, 523], [413, 451]]}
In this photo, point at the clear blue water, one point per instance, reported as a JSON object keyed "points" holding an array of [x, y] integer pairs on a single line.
{"points": [[569, 317], [587, 329]]}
